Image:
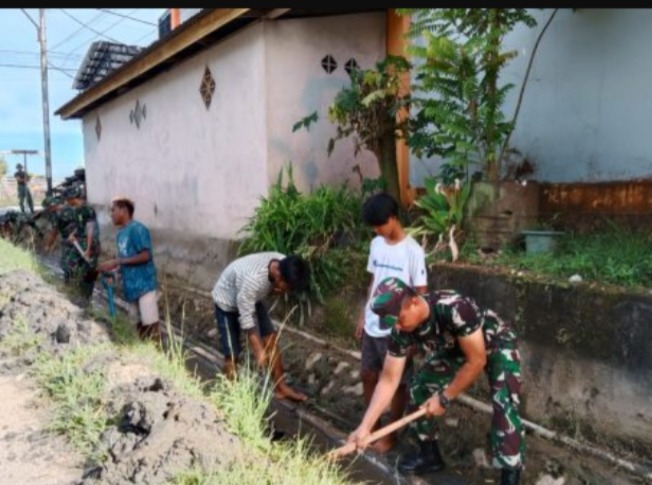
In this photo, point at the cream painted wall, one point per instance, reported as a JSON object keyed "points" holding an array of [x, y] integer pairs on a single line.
{"points": [[200, 173], [188, 169], [297, 85], [587, 107]]}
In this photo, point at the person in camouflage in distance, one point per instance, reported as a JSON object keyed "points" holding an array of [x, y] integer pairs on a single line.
{"points": [[460, 341]]}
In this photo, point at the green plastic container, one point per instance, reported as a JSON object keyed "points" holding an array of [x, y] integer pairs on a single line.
{"points": [[540, 241]]}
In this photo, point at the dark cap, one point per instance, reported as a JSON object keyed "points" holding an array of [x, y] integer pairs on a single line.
{"points": [[386, 300], [72, 192]]}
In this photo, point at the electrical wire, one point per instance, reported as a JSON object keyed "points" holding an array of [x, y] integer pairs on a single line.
{"points": [[80, 29], [87, 42], [89, 28], [127, 17], [34, 53], [25, 66]]}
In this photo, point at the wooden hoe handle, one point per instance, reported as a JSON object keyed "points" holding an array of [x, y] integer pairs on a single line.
{"points": [[350, 447]]}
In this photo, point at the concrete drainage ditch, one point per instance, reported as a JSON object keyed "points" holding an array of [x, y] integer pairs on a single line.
{"points": [[325, 429]]}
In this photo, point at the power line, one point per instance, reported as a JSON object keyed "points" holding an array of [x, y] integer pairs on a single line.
{"points": [[25, 66], [80, 29], [146, 35], [60, 54], [127, 17], [62, 70], [85, 44], [89, 28], [30, 18]]}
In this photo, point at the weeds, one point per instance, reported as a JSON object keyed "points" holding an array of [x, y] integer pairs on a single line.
{"points": [[611, 256], [290, 463], [13, 257], [20, 339], [77, 394], [244, 403]]}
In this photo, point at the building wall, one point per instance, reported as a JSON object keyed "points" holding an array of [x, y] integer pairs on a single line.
{"points": [[587, 107], [197, 174], [297, 85], [194, 173], [187, 168]]}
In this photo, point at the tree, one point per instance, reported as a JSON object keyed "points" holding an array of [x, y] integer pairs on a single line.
{"points": [[367, 110], [461, 61]]}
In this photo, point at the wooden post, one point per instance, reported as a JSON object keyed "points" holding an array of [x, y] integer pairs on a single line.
{"points": [[397, 27]]}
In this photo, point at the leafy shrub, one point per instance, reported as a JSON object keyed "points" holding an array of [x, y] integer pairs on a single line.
{"points": [[322, 226]]}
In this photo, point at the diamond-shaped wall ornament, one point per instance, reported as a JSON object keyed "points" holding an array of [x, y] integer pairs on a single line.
{"points": [[351, 65], [98, 128], [138, 113], [207, 87], [329, 64]]}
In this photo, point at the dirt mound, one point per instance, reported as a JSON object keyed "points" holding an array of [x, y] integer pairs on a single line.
{"points": [[152, 431], [29, 305], [158, 433]]}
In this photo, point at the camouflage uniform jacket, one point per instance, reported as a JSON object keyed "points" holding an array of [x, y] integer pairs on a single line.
{"points": [[451, 316], [83, 215], [66, 222]]}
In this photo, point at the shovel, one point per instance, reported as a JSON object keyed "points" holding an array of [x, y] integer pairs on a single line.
{"points": [[78, 247], [350, 447], [108, 282]]}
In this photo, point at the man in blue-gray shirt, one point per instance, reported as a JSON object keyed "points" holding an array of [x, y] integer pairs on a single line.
{"points": [[137, 270]]}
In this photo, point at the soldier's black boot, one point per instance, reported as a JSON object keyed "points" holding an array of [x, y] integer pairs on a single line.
{"points": [[426, 459], [510, 477]]}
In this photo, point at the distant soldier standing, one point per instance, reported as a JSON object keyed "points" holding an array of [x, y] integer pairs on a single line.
{"points": [[460, 341], [23, 190]]}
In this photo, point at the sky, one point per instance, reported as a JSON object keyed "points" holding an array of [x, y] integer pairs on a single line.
{"points": [[67, 41]]}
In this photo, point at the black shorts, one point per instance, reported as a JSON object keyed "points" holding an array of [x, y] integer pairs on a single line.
{"points": [[373, 352]]}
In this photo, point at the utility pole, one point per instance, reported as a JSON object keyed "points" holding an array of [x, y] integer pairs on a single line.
{"points": [[46, 106], [40, 34]]}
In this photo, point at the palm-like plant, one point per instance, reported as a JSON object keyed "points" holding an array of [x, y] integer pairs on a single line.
{"points": [[443, 213]]}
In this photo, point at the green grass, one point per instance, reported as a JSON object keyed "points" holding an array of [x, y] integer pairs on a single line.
{"points": [[21, 338], [13, 257], [244, 403], [77, 396], [288, 464], [610, 256]]}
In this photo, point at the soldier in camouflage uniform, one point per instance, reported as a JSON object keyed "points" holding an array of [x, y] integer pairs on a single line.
{"points": [[13, 223], [460, 341], [75, 221]]}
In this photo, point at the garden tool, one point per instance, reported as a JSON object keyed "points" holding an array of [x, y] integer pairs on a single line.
{"points": [[108, 282], [80, 250], [73, 239], [350, 447]]}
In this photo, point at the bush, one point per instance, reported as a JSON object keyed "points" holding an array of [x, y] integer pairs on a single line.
{"points": [[323, 226]]}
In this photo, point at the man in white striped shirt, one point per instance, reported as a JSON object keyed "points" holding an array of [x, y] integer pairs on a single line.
{"points": [[238, 296]]}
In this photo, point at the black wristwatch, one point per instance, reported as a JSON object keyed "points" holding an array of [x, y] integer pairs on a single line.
{"points": [[443, 400]]}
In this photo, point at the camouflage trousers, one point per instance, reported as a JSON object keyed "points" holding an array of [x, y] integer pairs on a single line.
{"points": [[503, 370], [77, 273], [25, 194]]}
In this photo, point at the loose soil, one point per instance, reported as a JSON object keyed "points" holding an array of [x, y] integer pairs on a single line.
{"points": [[154, 431]]}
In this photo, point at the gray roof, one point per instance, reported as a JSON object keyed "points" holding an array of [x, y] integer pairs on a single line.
{"points": [[101, 59]]}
